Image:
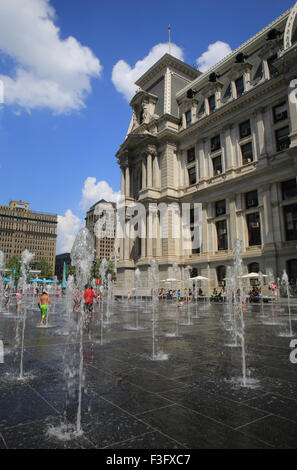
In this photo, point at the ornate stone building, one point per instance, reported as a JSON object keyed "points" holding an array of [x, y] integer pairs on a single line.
{"points": [[227, 139], [21, 229]]}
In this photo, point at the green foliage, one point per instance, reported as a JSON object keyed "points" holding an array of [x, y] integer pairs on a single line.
{"points": [[15, 263], [95, 273], [70, 271], [45, 268]]}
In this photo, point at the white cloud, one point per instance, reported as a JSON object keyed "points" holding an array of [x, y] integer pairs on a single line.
{"points": [[68, 227], [124, 76], [49, 72], [93, 191], [213, 55]]}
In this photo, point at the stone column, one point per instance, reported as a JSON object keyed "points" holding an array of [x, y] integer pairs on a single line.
{"points": [[292, 100], [155, 171], [149, 241], [127, 178], [227, 147], [259, 129], [232, 222], [269, 136], [123, 185], [149, 171], [143, 174], [267, 230]]}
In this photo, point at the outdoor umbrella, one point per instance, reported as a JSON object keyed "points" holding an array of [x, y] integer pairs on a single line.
{"points": [[252, 276], [199, 278], [36, 280]]}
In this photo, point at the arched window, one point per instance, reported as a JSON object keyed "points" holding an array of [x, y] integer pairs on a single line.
{"points": [[194, 272], [254, 268], [292, 270], [221, 274]]}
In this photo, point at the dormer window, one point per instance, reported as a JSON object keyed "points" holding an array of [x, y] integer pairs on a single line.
{"points": [[188, 115], [272, 70], [212, 103], [239, 85]]}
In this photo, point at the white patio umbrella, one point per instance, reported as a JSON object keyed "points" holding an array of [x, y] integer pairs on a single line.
{"points": [[199, 278], [253, 276]]}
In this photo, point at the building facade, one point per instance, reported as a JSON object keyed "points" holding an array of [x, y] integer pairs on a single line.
{"points": [[226, 139], [21, 229], [104, 234]]}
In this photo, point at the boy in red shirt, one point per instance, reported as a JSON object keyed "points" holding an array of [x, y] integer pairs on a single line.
{"points": [[89, 295]]}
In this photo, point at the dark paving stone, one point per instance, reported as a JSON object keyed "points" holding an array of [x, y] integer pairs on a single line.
{"points": [[151, 440], [52, 388], [133, 399], [278, 432], [34, 436], [220, 409], [150, 381], [104, 424], [276, 405], [20, 405], [198, 432], [222, 387]]}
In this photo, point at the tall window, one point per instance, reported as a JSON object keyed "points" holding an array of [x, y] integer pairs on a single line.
{"points": [[292, 270], [254, 229], [247, 153], [245, 129], [290, 213], [251, 199], [217, 165], [220, 208], [254, 268], [282, 138], [272, 69], [188, 118], [191, 155], [221, 275], [289, 189], [239, 85], [192, 175], [280, 112], [222, 235], [215, 143], [212, 103]]}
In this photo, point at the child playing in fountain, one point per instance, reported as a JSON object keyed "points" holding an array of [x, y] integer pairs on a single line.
{"points": [[89, 295], [43, 303]]}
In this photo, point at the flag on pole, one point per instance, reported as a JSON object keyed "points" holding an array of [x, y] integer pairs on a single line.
{"points": [[64, 277]]}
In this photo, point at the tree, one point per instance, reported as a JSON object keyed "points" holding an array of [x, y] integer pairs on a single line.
{"points": [[70, 271], [96, 269], [45, 268], [15, 265]]}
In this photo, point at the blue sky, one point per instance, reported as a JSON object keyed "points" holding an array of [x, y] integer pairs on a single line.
{"points": [[52, 141]]}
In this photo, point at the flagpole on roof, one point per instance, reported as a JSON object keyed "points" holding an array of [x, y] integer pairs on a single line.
{"points": [[169, 30]]}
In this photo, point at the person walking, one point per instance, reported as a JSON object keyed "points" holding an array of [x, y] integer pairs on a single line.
{"points": [[43, 302], [89, 295]]}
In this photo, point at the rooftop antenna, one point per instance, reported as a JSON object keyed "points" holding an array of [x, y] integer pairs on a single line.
{"points": [[169, 30]]}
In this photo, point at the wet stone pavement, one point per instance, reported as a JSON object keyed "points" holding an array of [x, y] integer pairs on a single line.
{"points": [[191, 398]]}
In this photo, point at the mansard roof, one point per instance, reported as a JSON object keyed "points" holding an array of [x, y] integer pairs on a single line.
{"points": [[168, 61], [246, 47]]}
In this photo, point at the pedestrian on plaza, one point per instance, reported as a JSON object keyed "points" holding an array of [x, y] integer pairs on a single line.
{"points": [[43, 302], [89, 295]]}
